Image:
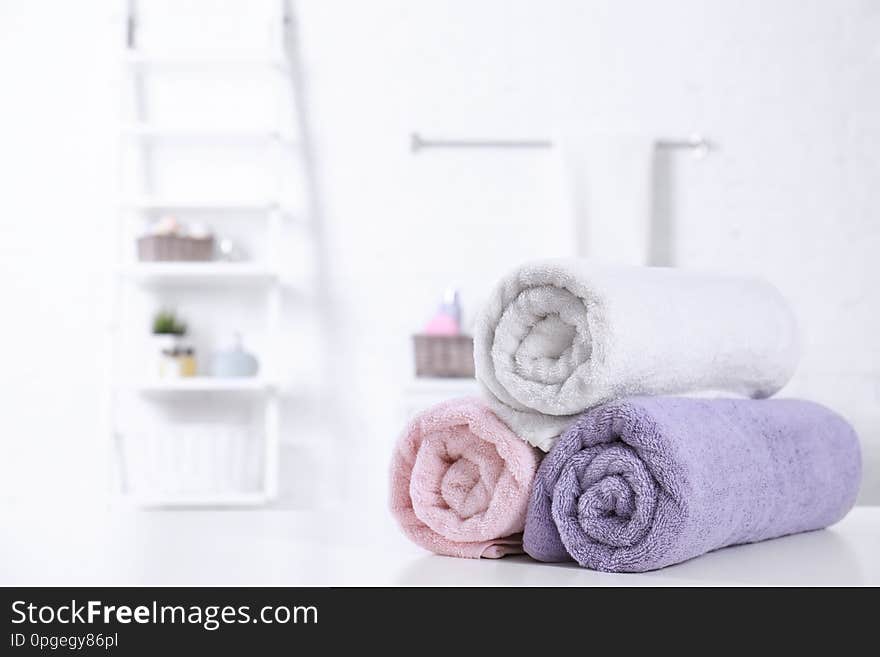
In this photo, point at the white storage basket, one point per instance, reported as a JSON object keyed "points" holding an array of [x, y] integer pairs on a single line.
{"points": [[192, 460]]}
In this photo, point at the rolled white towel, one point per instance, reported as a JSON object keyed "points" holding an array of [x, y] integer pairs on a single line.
{"points": [[560, 336]]}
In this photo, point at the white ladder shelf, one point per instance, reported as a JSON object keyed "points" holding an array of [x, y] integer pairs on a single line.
{"points": [[268, 277]]}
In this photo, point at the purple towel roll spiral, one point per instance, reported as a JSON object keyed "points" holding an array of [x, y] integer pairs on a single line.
{"points": [[643, 483]]}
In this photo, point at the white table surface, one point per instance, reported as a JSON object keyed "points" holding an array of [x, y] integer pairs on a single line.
{"points": [[126, 547]]}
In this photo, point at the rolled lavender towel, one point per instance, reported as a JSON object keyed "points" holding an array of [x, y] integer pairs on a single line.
{"points": [[460, 481], [558, 337], [643, 483]]}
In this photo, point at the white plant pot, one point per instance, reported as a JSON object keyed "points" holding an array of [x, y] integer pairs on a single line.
{"points": [[164, 341], [166, 366]]}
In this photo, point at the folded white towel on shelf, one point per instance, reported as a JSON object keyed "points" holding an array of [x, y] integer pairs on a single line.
{"points": [[557, 337]]}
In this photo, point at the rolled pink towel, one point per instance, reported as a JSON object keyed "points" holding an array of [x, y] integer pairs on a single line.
{"points": [[460, 481]]}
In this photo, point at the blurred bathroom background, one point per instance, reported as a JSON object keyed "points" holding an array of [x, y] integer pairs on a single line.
{"points": [[338, 240]]}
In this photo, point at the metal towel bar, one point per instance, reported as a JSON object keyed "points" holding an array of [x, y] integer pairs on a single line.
{"points": [[697, 144]]}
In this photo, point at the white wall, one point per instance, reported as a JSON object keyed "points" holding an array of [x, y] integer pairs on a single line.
{"points": [[57, 176], [787, 89]]}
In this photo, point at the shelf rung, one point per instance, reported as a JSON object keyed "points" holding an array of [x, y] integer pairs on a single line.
{"points": [[198, 500], [198, 205], [197, 272], [208, 61], [204, 384], [219, 134]]}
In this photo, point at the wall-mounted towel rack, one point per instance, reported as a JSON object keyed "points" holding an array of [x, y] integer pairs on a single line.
{"points": [[697, 144]]}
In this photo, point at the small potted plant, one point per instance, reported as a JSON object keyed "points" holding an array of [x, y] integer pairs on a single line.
{"points": [[167, 331], [175, 359]]}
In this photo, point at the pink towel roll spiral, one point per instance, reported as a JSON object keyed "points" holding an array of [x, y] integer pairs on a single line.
{"points": [[460, 481]]}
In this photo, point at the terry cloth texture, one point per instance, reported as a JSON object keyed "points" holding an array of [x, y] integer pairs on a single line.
{"points": [[460, 481], [558, 337], [643, 483]]}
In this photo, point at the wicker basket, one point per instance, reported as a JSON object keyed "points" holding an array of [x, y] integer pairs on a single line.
{"points": [[154, 248], [450, 356]]}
